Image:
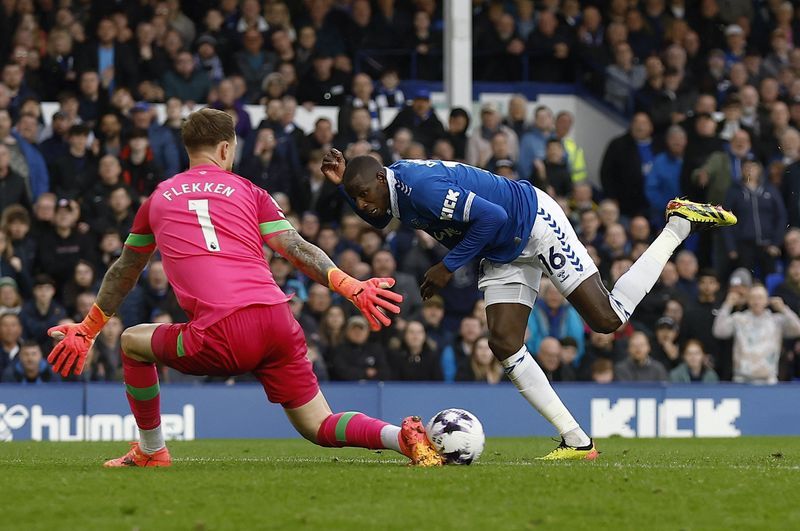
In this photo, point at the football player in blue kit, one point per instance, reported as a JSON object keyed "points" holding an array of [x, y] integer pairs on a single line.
{"points": [[519, 233]]}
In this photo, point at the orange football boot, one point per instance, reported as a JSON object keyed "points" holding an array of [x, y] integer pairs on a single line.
{"points": [[415, 444], [136, 457]]}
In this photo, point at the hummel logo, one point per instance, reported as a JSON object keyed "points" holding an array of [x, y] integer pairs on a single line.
{"points": [[449, 206]]}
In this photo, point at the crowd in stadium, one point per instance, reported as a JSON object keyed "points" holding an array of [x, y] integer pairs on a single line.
{"points": [[711, 88]]}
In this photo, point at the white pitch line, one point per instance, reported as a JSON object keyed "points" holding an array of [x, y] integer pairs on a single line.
{"points": [[361, 460]]}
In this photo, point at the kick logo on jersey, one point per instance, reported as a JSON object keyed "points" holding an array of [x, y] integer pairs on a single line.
{"points": [[449, 206]]}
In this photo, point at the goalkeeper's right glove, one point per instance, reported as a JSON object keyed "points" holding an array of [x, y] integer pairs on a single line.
{"points": [[369, 296]]}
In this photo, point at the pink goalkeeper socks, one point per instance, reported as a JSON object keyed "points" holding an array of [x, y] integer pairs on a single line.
{"points": [[351, 429]]}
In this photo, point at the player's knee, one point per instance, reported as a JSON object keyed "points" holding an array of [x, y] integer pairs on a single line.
{"points": [[128, 342], [503, 346]]}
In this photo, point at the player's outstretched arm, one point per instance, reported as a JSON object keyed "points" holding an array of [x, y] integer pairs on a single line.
{"points": [[371, 296], [76, 339]]}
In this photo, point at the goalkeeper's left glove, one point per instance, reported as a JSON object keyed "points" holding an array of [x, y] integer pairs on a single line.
{"points": [[369, 296], [76, 341]]}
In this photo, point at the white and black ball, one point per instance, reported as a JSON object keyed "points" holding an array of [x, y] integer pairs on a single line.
{"points": [[457, 435]]}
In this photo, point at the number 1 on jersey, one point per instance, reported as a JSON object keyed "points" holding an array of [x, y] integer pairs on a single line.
{"points": [[204, 218]]}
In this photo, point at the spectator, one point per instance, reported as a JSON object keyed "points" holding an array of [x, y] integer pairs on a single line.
{"points": [[319, 300], [268, 166], [42, 312], [72, 174], [694, 367], [665, 351], [362, 98], [456, 357], [29, 367], [479, 149], [663, 181], [485, 367], [757, 334], [253, 62], [789, 289], [140, 171], [549, 358], [165, 150], [58, 66], [92, 101], [10, 339], [13, 189], [95, 200], [323, 84], [432, 319], [533, 143], [120, 213], [723, 168], [55, 145], [106, 359], [602, 371], [83, 279], [420, 119], [331, 330], [109, 137], [388, 93], [357, 359], [687, 267], [501, 51], [185, 80], [753, 243], [114, 62], [416, 359], [516, 118], [10, 299], [384, 265], [62, 245], [639, 366], [360, 130], [16, 224], [623, 77], [500, 153], [25, 160], [318, 364], [457, 126], [628, 158], [700, 313], [152, 59], [549, 51], [552, 174], [552, 316], [573, 153]]}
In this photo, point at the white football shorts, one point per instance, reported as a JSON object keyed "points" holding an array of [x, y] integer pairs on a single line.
{"points": [[553, 249]]}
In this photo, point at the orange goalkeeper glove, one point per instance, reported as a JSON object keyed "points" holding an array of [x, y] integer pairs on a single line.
{"points": [[75, 341], [369, 296]]}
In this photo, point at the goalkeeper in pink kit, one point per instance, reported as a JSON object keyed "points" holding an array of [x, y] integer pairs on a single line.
{"points": [[209, 225]]}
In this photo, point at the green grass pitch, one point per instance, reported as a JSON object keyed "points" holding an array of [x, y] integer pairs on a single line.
{"points": [[688, 484]]}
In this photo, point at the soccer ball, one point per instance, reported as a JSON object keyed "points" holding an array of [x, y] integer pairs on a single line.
{"points": [[457, 435]]}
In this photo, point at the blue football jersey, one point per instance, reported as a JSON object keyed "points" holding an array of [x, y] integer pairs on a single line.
{"points": [[471, 211]]}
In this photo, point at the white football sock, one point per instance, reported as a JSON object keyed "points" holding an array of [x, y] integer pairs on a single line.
{"points": [[631, 287], [532, 383], [390, 437], [151, 441]]}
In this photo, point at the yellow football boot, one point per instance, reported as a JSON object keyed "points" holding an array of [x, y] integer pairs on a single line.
{"points": [[700, 215], [572, 453]]}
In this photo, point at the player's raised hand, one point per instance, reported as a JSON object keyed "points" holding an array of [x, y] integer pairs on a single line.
{"points": [[333, 165], [371, 296], [74, 342]]}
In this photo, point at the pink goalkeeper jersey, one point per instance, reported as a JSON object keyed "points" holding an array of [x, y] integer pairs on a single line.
{"points": [[209, 225]]}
